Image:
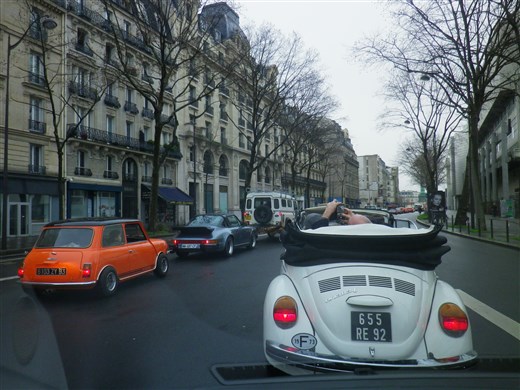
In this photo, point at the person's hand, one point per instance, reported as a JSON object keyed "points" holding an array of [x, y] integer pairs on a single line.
{"points": [[330, 210], [346, 216]]}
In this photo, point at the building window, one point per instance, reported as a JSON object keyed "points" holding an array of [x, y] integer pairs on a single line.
{"points": [[223, 139], [222, 166], [129, 126], [110, 125], [36, 159], [81, 159], [208, 163], [242, 170], [36, 73], [36, 120], [241, 141]]}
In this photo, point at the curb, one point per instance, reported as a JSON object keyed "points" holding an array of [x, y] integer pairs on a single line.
{"points": [[475, 238]]}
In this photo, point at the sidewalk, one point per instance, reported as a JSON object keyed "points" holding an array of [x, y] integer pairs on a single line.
{"points": [[501, 231]]}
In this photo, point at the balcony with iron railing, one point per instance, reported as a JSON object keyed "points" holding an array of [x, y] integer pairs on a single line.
{"points": [[301, 181], [147, 78], [36, 79], [166, 181], [131, 107], [111, 175], [168, 121], [83, 48], [36, 169], [112, 101], [37, 127], [82, 90], [209, 110], [109, 138], [147, 113], [223, 90], [82, 171]]}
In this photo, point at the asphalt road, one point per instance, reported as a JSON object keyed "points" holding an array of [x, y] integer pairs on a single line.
{"points": [[168, 333]]}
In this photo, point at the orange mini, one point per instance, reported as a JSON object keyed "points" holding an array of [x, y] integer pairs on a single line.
{"points": [[92, 252]]}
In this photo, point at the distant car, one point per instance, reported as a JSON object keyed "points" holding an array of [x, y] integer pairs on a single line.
{"points": [[90, 252], [209, 233]]}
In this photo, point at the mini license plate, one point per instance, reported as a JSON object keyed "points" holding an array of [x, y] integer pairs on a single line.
{"points": [[189, 246], [51, 271], [371, 326]]}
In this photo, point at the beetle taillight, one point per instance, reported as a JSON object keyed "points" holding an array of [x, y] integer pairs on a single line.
{"points": [[86, 271], [453, 320], [20, 272], [285, 312]]}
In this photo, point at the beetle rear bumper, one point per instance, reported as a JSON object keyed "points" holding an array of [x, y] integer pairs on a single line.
{"points": [[312, 361]]}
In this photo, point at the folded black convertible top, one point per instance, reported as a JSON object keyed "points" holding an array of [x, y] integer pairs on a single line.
{"points": [[420, 251]]}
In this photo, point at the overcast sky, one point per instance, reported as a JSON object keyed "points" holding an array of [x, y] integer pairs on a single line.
{"points": [[332, 28]]}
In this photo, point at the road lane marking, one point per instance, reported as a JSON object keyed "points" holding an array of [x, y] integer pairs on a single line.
{"points": [[503, 322], [9, 278]]}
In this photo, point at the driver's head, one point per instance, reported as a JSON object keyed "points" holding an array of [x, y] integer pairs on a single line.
{"points": [[358, 219]]}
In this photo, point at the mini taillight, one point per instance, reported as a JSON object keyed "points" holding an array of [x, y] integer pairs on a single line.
{"points": [[20, 272], [285, 312], [454, 322], [86, 271]]}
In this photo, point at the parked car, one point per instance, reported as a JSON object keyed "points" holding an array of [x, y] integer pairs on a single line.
{"points": [[209, 233], [361, 296], [92, 252]]}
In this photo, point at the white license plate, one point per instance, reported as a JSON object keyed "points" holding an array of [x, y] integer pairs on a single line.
{"points": [[371, 326], [189, 246]]}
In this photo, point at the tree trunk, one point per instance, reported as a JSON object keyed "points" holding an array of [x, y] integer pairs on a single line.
{"points": [[473, 176], [463, 208], [61, 186]]}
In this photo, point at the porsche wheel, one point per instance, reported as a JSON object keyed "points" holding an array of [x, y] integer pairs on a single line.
{"points": [[229, 247], [252, 242]]}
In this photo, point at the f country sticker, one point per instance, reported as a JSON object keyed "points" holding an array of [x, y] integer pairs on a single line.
{"points": [[304, 341]]}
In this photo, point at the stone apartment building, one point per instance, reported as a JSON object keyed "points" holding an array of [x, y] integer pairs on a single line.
{"points": [[378, 184], [108, 160]]}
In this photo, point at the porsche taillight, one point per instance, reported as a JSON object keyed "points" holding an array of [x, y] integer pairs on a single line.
{"points": [[453, 320], [20, 271], [285, 312], [86, 271]]}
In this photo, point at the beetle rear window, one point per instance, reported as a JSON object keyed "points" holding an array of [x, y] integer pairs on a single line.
{"points": [[65, 238]]}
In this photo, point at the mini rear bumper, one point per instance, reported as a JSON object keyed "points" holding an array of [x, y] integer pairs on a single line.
{"points": [[308, 360]]}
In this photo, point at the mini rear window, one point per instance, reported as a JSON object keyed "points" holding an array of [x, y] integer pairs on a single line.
{"points": [[65, 238]]}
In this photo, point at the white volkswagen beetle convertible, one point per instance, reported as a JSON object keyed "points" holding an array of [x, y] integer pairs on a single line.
{"points": [[363, 296]]}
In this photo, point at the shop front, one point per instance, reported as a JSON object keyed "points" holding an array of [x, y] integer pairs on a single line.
{"points": [[32, 202], [91, 200], [168, 199]]}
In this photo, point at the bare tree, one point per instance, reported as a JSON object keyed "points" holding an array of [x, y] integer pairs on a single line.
{"points": [[465, 46], [307, 147], [181, 66], [278, 87], [421, 110]]}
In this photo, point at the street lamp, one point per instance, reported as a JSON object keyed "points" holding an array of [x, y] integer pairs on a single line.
{"points": [[48, 24]]}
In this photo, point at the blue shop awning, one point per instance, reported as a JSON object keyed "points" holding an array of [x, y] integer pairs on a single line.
{"points": [[170, 195]]}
